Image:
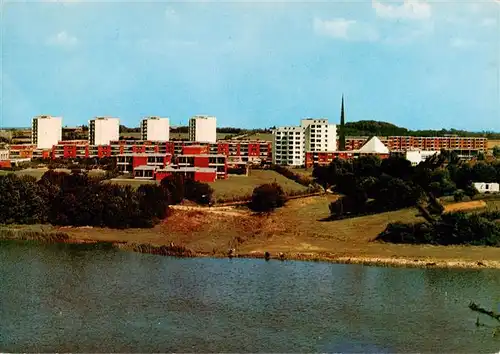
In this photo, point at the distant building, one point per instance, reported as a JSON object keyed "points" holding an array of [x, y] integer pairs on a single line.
{"points": [[373, 147], [155, 129], [46, 131], [291, 143], [203, 129], [4, 155], [487, 187], [102, 130], [418, 156]]}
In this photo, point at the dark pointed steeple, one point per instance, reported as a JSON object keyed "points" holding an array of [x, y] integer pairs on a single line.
{"points": [[342, 128]]}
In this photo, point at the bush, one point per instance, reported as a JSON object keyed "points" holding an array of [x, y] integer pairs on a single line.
{"points": [[459, 195], [471, 191], [174, 184], [267, 197], [198, 192]]}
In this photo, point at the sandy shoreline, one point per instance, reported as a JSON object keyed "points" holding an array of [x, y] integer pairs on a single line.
{"points": [[296, 231], [399, 262]]}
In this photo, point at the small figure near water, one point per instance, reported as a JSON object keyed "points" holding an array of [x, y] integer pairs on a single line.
{"points": [[231, 253], [282, 256], [267, 256]]}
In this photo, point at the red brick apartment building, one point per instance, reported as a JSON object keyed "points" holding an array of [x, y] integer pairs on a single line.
{"points": [[253, 151], [194, 162], [466, 147]]}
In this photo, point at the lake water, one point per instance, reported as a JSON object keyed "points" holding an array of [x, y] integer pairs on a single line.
{"points": [[60, 298]]}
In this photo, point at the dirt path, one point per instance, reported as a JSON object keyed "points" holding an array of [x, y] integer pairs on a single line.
{"points": [[462, 206]]}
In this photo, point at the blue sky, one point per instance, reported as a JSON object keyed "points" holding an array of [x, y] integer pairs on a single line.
{"points": [[253, 64]]}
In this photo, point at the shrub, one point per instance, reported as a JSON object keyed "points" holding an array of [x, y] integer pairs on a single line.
{"points": [[174, 184], [267, 197], [459, 195], [470, 190], [198, 192]]}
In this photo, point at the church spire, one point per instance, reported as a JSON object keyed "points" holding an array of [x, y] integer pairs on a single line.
{"points": [[342, 128]]}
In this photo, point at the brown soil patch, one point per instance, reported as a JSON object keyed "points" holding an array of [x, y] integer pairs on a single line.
{"points": [[474, 204], [296, 231]]}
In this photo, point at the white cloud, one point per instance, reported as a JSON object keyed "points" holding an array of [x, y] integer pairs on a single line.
{"points": [[63, 39], [341, 28], [409, 9]]}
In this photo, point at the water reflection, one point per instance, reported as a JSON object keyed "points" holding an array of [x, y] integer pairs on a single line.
{"points": [[65, 299]]}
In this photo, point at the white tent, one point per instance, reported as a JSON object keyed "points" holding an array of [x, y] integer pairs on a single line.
{"points": [[374, 146]]}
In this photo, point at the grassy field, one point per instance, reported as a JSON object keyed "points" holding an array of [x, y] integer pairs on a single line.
{"points": [[303, 171], [238, 186]]}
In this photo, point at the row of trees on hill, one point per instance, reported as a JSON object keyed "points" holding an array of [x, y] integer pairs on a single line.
{"points": [[371, 127], [76, 199], [226, 130], [370, 185]]}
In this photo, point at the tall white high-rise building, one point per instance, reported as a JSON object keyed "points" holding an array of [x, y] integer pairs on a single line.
{"points": [[203, 129], [46, 131], [102, 130], [319, 134], [155, 129], [290, 144]]}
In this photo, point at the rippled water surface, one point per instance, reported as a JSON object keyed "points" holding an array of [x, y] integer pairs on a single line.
{"points": [[62, 298]]}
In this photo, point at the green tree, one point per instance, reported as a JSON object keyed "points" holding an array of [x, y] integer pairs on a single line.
{"points": [[496, 151], [175, 186], [267, 197], [198, 192]]}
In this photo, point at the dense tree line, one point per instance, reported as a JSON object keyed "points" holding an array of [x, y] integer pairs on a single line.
{"points": [[370, 185], [124, 129], [449, 229], [371, 127], [76, 199]]}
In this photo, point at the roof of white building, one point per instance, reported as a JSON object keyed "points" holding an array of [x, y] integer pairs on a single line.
{"points": [[374, 146]]}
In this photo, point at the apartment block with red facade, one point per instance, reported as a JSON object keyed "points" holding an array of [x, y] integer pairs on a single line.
{"points": [[200, 174], [21, 151], [70, 149], [127, 163], [216, 162], [194, 162], [252, 151], [466, 146], [373, 147]]}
